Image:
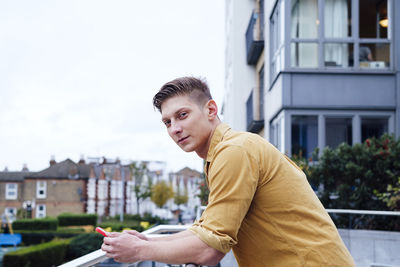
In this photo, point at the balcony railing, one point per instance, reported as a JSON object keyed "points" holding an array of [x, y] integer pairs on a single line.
{"points": [[253, 125], [99, 256], [255, 38]]}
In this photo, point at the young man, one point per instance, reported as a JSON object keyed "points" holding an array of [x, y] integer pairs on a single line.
{"points": [[260, 204]]}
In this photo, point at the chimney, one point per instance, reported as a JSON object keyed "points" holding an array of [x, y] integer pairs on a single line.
{"points": [[52, 160], [25, 168], [81, 160]]}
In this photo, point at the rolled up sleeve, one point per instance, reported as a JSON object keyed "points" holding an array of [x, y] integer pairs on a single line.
{"points": [[232, 179]]}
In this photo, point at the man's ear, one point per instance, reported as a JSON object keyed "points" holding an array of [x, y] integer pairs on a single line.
{"points": [[212, 109]]}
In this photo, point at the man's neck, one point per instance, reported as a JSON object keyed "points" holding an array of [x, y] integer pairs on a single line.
{"points": [[203, 154]]}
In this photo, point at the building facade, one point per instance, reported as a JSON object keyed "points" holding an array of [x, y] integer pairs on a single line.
{"points": [[101, 186], [292, 75]]}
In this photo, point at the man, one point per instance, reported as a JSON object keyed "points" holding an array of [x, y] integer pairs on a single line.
{"points": [[260, 204]]}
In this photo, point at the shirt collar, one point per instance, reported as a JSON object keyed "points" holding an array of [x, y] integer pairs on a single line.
{"points": [[218, 135]]}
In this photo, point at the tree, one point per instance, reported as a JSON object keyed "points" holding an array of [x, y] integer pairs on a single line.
{"points": [[161, 192], [142, 191], [181, 197]]}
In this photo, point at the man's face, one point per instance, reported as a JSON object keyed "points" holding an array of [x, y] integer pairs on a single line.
{"points": [[187, 123]]}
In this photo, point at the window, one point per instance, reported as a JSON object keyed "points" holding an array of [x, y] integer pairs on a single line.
{"points": [[41, 189], [261, 92], [11, 191], [304, 135], [344, 32], [276, 134], [338, 130], [40, 211], [277, 39], [373, 127], [11, 213], [304, 33]]}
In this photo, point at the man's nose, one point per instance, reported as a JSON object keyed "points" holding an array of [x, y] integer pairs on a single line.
{"points": [[176, 128]]}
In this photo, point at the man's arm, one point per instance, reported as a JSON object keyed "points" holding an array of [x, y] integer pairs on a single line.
{"points": [[184, 247], [170, 237]]}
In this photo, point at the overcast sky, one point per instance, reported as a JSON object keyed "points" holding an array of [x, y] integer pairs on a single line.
{"points": [[77, 77]]}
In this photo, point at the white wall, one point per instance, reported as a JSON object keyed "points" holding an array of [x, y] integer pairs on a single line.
{"points": [[372, 248], [239, 77]]}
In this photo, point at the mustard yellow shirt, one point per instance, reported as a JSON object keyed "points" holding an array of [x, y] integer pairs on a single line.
{"points": [[262, 207]]}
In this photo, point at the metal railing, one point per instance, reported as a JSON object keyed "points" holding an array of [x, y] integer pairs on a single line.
{"points": [[98, 256], [364, 212]]}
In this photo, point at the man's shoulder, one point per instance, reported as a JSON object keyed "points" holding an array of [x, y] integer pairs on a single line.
{"points": [[242, 142]]}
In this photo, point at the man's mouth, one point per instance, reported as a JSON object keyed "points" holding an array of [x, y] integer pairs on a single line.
{"points": [[182, 139]]}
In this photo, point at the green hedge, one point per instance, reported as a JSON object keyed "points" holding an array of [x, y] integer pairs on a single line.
{"points": [[83, 244], [47, 254], [35, 224], [119, 226], [33, 238], [69, 219]]}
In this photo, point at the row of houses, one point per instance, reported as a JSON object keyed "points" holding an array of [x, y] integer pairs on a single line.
{"points": [[99, 186]]}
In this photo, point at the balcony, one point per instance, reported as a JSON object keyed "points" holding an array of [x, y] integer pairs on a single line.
{"points": [[255, 37], [254, 124]]}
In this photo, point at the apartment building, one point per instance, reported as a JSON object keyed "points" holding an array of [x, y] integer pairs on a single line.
{"points": [[307, 74]]}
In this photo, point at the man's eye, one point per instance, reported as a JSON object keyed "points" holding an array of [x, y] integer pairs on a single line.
{"points": [[167, 123], [182, 115]]}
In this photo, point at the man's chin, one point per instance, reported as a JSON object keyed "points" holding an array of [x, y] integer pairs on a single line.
{"points": [[186, 148]]}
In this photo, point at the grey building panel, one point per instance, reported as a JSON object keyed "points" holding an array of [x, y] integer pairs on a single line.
{"points": [[330, 90]]}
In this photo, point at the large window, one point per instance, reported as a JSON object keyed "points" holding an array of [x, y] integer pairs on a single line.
{"points": [[304, 135], [373, 127], [338, 130], [11, 191], [328, 33]]}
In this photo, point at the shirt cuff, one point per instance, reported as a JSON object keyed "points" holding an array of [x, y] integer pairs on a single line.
{"points": [[220, 243]]}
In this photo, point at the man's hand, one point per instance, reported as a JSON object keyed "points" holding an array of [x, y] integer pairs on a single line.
{"points": [[123, 247], [137, 234]]}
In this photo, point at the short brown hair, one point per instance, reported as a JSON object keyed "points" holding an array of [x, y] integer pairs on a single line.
{"points": [[196, 88]]}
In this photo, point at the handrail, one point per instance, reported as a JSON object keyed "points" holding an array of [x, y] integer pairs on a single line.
{"points": [[366, 212], [98, 256]]}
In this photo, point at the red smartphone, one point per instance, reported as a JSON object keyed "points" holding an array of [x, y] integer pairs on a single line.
{"points": [[102, 231]]}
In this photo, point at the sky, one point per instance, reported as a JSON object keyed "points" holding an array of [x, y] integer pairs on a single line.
{"points": [[77, 77]]}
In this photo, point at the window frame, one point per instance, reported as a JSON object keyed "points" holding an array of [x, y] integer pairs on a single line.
{"points": [[13, 190], [322, 114], [40, 214], [39, 187], [321, 40], [11, 215]]}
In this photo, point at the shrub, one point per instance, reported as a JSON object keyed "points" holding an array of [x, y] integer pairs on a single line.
{"points": [[118, 226], [83, 244], [37, 237], [46, 254], [355, 177], [35, 224], [153, 219], [69, 219]]}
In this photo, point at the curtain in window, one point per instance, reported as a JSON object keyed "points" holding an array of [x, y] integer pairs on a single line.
{"points": [[304, 25], [336, 26]]}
